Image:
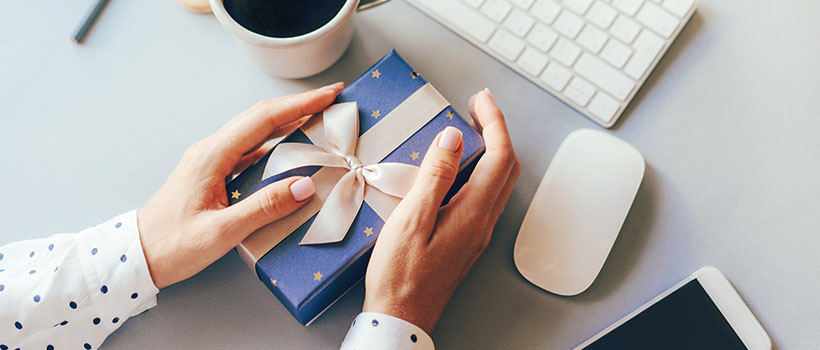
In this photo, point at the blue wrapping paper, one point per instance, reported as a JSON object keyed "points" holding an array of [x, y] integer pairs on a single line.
{"points": [[308, 279]]}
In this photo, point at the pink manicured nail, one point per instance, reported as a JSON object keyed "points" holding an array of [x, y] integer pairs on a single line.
{"points": [[332, 87], [489, 93], [302, 189], [450, 139]]}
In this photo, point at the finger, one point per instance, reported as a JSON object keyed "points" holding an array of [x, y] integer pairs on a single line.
{"points": [[437, 172], [256, 124], [267, 205], [493, 169], [471, 108], [251, 158], [501, 201]]}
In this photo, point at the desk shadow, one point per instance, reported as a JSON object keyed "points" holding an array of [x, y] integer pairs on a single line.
{"points": [[692, 28], [630, 243]]}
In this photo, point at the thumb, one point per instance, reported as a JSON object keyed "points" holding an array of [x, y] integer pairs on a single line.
{"points": [[269, 204], [438, 171]]}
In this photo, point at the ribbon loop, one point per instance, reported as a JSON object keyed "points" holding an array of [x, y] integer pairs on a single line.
{"points": [[341, 130]]}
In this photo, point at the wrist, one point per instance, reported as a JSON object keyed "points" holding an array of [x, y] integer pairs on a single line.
{"points": [[424, 316]]}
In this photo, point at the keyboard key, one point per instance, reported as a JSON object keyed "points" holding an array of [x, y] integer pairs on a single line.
{"points": [[592, 38], [473, 3], [565, 52], [506, 44], [630, 7], [524, 4], [609, 79], [579, 91], [568, 24], [604, 107], [542, 37], [546, 10], [602, 15], [647, 46], [532, 61], [462, 17], [616, 53], [579, 6], [658, 20], [519, 23], [625, 29], [678, 7], [496, 9], [556, 76]]}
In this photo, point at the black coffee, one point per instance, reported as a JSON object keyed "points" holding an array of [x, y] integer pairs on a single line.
{"points": [[283, 18]]}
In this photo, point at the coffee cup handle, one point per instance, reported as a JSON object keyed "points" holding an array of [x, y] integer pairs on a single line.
{"points": [[366, 4]]}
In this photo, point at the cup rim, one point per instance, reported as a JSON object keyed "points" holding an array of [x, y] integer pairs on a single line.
{"points": [[222, 15]]}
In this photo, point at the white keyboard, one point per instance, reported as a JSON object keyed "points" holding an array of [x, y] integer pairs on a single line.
{"points": [[592, 54]]}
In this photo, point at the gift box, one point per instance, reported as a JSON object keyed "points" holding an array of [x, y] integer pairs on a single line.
{"points": [[362, 153]]}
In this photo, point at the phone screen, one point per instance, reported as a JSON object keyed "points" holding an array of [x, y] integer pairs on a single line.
{"points": [[685, 319]]}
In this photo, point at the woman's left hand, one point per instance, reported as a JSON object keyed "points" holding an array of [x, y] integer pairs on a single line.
{"points": [[188, 224]]}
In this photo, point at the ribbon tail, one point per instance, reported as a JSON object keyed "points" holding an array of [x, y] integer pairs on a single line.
{"points": [[339, 210]]}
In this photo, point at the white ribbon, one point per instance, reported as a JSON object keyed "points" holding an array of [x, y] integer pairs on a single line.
{"points": [[341, 134]]}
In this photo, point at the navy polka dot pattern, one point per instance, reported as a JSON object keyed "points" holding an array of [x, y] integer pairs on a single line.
{"points": [[60, 307], [372, 330]]}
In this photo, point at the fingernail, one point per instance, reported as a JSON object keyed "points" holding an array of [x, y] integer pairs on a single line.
{"points": [[332, 87], [450, 139], [302, 189], [489, 93]]}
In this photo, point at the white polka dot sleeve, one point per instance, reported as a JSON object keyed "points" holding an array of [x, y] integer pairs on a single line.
{"points": [[373, 330], [70, 291]]}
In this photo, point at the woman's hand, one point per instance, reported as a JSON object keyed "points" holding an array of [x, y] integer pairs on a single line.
{"points": [[424, 252], [187, 225]]}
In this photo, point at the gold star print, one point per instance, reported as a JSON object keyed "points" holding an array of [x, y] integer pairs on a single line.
{"points": [[318, 276], [450, 115], [375, 74], [414, 155], [273, 282], [375, 114], [368, 231], [414, 75], [235, 194]]}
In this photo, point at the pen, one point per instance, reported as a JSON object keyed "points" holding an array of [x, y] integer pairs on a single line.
{"points": [[90, 17]]}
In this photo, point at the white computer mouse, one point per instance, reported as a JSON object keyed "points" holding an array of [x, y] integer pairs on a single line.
{"points": [[577, 211]]}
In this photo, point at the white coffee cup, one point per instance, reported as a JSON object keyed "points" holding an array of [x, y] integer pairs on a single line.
{"points": [[299, 56]]}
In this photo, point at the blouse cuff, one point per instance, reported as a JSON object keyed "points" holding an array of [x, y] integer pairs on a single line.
{"points": [[116, 270], [373, 330]]}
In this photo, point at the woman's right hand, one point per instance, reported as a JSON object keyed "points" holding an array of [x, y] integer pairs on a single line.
{"points": [[424, 251]]}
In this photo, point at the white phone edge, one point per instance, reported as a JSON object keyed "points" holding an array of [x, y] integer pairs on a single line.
{"points": [[727, 300]]}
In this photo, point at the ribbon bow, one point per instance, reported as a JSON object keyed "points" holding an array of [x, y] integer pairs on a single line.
{"points": [[341, 132]]}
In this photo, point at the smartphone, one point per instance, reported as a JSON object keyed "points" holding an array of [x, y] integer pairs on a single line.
{"points": [[703, 312]]}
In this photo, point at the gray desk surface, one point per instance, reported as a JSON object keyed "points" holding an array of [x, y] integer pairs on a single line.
{"points": [[727, 123]]}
